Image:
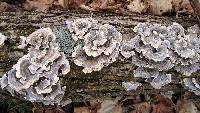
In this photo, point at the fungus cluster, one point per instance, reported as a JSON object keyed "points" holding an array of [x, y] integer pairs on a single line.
{"points": [[35, 76], [97, 44], [160, 48], [154, 48]]}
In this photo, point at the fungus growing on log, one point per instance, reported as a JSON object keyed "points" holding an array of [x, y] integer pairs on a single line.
{"points": [[22, 43], [131, 85], [161, 80], [192, 84], [155, 78], [156, 48], [2, 39], [186, 52], [35, 76], [160, 47], [80, 27], [98, 45]]}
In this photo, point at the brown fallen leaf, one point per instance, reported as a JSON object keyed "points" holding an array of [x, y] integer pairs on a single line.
{"points": [[142, 108], [48, 111], [186, 106], [162, 108], [106, 106], [38, 5], [111, 5], [63, 3], [162, 104], [77, 4], [138, 6], [82, 110], [109, 106], [117, 109], [38, 110], [158, 7], [45, 5], [3, 6], [182, 6]]}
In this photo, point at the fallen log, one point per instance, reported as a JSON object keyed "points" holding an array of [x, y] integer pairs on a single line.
{"points": [[106, 83]]}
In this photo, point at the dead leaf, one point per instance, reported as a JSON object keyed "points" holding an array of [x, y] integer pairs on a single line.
{"points": [[106, 106], [162, 105], [182, 6], [76, 4], [45, 5], [117, 109], [104, 5], [48, 111], [63, 3], [3, 6], [82, 110], [138, 6], [38, 5], [142, 108], [37, 110], [186, 106], [158, 7]]}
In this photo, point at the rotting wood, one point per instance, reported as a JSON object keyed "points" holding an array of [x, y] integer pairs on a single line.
{"points": [[103, 84]]}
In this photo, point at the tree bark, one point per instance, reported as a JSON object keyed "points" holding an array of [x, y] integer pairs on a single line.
{"points": [[106, 83]]}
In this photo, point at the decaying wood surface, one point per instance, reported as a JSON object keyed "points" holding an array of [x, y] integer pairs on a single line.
{"points": [[106, 83]]}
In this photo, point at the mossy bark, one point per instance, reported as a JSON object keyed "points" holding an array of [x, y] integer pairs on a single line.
{"points": [[106, 83]]}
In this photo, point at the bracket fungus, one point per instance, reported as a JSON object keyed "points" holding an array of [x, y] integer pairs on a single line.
{"points": [[192, 84], [98, 44], [160, 47], [131, 85], [156, 48], [161, 80], [155, 78], [22, 43], [80, 27], [148, 48], [35, 76], [2, 39]]}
